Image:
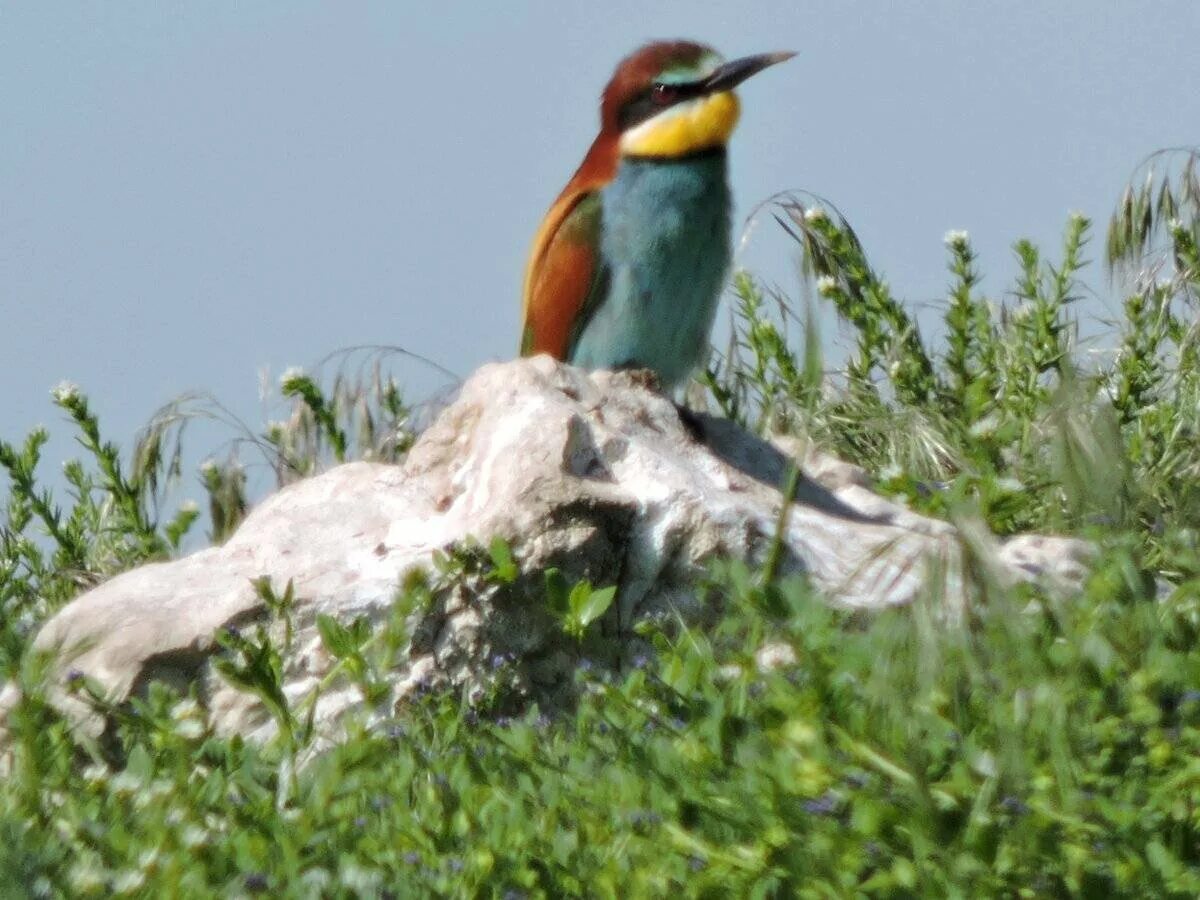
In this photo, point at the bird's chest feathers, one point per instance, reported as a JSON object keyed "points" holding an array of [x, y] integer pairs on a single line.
{"points": [[666, 250], [666, 224]]}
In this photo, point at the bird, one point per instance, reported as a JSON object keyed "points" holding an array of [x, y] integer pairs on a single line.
{"points": [[631, 259]]}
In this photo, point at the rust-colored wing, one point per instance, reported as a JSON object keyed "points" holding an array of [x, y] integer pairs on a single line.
{"points": [[564, 266]]}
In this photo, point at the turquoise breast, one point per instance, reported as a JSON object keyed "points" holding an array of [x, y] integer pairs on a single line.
{"points": [[665, 253]]}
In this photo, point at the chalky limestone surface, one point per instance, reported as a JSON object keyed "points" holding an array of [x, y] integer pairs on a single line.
{"points": [[595, 474]]}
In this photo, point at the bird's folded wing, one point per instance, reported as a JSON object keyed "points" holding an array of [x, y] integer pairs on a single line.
{"points": [[564, 270]]}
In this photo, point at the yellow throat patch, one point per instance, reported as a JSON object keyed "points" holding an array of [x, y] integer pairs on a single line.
{"points": [[690, 127]]}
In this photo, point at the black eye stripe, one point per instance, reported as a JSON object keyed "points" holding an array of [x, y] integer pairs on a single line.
{"points": [[655, 98]]}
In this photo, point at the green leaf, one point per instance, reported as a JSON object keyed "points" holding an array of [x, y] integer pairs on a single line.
{"points": [[360, 631], [595, 604], [504, 568], [336, 638], [139, 763], [556, 591]]}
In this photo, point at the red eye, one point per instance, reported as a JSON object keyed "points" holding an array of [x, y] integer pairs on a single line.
{"points": [[662, 94]]}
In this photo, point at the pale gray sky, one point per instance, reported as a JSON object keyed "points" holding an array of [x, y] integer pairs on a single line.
{"points": [[189, 192]]}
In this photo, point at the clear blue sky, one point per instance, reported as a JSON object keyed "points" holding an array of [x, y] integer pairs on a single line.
{"points": [[190, 192]]}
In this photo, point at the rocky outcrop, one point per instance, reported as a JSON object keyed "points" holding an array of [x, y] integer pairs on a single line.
{"points": [[596, 475]]}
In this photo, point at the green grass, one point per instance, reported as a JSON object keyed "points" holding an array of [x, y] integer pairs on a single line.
{"points": [[1040, 746]]}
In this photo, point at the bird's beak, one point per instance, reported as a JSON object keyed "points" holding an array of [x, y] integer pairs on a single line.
{"points": [[733, 73]]}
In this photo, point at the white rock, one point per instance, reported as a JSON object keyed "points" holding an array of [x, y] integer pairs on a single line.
{"points": [[594, 474]]}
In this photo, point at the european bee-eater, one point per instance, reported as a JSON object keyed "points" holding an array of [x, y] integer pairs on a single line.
{"points": [[631, 259]]}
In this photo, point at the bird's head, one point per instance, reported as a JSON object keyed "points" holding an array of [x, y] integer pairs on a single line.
{"points": [[675, 98]]}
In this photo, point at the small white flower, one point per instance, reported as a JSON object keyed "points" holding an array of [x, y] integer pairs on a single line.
{"points": [[190, 729], [128, 882], [729, 672], [291, 373], [125, 783], [66, 831], [153, 793], [890, 471], [774, 656], [189, 506], [985, 764], [56, 798], [315, 880], [87, 876], [208, 466], [65, 391], [1175, 226], [185, 709], [96, 774], [985, 426], [956, 238], [360, 879], [1010, 485], [814, 214], [194, 836], [827, 285]]}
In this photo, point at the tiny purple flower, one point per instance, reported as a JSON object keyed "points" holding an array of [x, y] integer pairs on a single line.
{"points": [[640, 818], [1014, 805], [857, 780], [824, 805], [255, 882]]}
